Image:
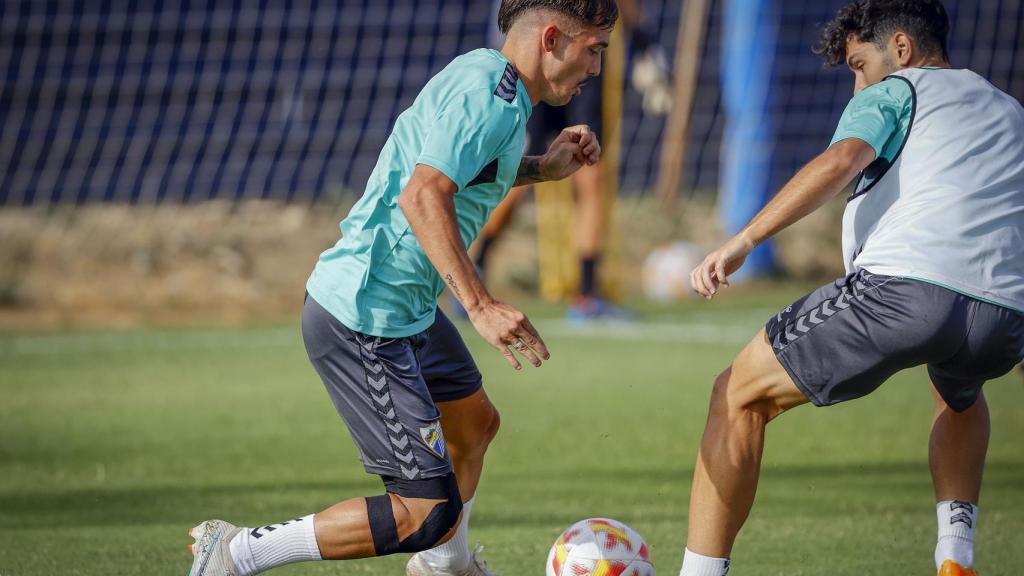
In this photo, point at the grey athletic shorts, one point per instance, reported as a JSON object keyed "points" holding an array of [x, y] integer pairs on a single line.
{"points": [[386, 389], [844, 340]]}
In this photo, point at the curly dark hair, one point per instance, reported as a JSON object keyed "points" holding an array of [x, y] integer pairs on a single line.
{"points": [[925, 21], [598, 13]]}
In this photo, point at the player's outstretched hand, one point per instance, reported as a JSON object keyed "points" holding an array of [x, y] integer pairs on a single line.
{"points": [[575, 147], [508, 329], [714, 271]]}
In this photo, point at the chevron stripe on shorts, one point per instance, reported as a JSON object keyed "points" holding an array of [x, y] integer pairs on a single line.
{"points": [[377, 386], [803, 324]]}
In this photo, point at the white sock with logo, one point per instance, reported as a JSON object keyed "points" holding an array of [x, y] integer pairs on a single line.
{"points": [[957, 521], [255, 550], [453, 554], [696, 565]]}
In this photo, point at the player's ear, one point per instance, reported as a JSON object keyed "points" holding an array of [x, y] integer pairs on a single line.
{"points": [[904, 49], [549, 37]]}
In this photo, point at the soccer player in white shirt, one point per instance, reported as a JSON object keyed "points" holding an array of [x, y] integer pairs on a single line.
{"points": [[933, 241]]}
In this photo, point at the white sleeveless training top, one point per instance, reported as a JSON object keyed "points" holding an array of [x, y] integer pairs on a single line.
{"points": [[950, 208]]}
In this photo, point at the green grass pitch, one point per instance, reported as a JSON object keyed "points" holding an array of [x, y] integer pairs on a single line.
{"points": [[113, 444]]}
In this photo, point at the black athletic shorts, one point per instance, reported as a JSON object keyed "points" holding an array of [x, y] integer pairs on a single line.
{"points": [[387, 389], [844, 340]]}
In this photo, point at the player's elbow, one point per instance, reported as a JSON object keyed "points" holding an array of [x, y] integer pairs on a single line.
{"points": [[848, 157], [427, 195], [848, 165], [422, 199], [412, 201], [407, 199]]}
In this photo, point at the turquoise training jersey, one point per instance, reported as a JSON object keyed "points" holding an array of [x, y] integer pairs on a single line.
{"points": [[879, 115], [468, 122]]}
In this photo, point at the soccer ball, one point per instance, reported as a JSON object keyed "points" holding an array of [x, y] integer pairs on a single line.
{"points": [[666, 272], [599, 547]]}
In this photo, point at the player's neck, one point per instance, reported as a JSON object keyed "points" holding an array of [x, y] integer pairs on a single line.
{"points": [[528, 69], [929, 62]]}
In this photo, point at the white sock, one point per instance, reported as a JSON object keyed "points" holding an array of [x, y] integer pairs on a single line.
{"points": [[453, 554], [255, 550], [696, 565], [957, 521]]}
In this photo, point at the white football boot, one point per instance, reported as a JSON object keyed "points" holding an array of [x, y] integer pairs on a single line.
{"points": [[418, 566], [211, 550]]}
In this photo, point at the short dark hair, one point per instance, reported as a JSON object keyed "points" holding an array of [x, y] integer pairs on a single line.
{"points": [[598, 13], [925, 21]]}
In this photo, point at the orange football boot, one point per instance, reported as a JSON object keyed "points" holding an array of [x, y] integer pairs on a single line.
{"points": [[950, 568]]}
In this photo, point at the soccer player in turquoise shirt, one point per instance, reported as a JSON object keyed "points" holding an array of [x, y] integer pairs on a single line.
{"points": [[395, 368]]}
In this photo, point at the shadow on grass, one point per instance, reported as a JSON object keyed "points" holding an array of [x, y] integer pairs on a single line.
{"points": [[1003, 470], [167, 504], [628, 493], [661, 493]]}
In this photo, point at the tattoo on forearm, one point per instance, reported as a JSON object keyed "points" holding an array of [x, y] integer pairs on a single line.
{"points": [[533, 167], [455, 287], [529, 168]]}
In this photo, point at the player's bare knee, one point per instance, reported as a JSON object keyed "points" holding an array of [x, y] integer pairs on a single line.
{"points": [[493, 424], [756, 388], [720, 391], [474, 444], [738, 398]]}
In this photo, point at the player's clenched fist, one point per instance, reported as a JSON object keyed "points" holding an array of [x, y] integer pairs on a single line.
{"points": [[508, 329], [575, 147]]}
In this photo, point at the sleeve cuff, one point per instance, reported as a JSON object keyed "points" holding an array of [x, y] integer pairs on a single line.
{"points": [[863, 138], [444, 167]]}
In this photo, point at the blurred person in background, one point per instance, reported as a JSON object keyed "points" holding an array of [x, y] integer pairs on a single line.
{"points": [[590, 222], [394, 366]]}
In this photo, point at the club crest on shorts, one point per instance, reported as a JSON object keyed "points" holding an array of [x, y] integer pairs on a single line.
{"points": [[433, 438]]}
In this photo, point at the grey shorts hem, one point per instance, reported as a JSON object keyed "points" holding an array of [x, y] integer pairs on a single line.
{"points": [[958, 398], [794, 375], [452, 395], [438, 472]]}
